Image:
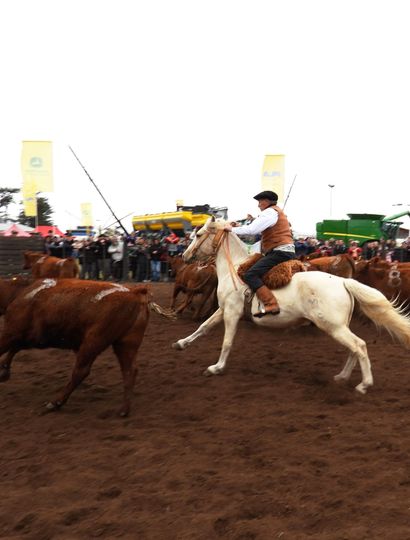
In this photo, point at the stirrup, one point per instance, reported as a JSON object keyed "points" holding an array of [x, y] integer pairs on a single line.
{"points": [[261, 314]]}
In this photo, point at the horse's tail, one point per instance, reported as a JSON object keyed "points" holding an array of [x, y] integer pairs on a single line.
{"points": [[381, 311]]}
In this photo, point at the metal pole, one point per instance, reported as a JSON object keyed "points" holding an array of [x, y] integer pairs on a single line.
{"points": [[102, 196], [289, 192]]}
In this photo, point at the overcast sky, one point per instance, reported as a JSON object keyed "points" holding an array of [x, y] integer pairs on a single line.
{"points": [[165, 100]]}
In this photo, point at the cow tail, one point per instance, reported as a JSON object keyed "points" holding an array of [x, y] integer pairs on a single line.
{"points": [[144, 295], [164, 312], [382, 312]]}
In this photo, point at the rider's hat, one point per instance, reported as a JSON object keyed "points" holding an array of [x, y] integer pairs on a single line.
{"points": [[270, 195]]}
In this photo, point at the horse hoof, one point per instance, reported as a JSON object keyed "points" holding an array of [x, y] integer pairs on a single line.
{"points": [[209, 372], [177, 346], [361, 389]]}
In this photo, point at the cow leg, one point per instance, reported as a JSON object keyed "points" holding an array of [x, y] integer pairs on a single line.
{"points": [[5, 365], [82, 367], [126, 352], [213, 320], [7, 346]]}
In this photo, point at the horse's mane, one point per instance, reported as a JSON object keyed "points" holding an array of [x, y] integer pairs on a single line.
{"points": [[218, 224]]}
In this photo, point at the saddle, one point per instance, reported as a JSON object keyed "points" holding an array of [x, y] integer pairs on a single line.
{"points": [[278, 276]]}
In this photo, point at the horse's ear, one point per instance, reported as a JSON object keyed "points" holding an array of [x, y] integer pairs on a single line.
{"points": [[213, 219]]}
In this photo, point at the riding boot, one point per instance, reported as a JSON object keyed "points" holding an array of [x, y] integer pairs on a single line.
{"points": [[266, 296]]}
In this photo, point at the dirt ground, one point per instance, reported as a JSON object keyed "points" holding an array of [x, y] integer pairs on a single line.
{"points": [[273, 449]]}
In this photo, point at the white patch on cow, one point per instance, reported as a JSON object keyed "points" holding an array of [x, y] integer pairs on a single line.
{"points": [[60, 262], [115, 288], [47, 283], [336, 262], [41, 259], [394, 277]]}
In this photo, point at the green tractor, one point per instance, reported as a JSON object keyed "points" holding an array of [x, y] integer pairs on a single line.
{"points": [[361, 228]]}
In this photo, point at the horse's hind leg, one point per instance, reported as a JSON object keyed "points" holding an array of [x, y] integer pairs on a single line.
{"points": [[358, 350], [177, 290], [213, 320], [185, 303], [347, 369]]}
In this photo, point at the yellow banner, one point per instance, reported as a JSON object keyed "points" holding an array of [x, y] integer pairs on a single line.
{"points": [[37, 164], [86, 215], [29, 198], [273, 175]]}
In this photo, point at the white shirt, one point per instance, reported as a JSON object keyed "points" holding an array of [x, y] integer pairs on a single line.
{"points": [[117, 251], [267, 218]]}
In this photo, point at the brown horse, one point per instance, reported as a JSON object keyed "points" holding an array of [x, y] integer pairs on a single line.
{"points": [[193, 279]]}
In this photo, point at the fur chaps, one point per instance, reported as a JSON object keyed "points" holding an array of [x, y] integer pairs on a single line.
{"points": [[278, 276]]}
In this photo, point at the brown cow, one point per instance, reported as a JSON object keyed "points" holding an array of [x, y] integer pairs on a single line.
{"points": [[338, 265], [86, 317], [43, 266], [193, 279], [10, 288], [390, 278]]}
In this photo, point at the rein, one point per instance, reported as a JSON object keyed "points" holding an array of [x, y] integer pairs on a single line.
{"points": [[220, 239]]}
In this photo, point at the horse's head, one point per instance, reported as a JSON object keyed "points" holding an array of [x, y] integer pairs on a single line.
{"points": [[206, 240]]}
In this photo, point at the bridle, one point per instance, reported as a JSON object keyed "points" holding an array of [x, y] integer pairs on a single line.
{"points": [[217, 242]]}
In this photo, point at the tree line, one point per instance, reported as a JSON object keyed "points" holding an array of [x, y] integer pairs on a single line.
{"points": [[44, 209]]}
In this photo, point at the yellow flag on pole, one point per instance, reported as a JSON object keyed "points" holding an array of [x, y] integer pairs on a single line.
{"points": [[273, 175], [37, 164], [86, 215], [29, 198]]}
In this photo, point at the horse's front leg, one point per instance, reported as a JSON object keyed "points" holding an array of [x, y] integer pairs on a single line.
{"points": [[213, 320], [231, 319]]}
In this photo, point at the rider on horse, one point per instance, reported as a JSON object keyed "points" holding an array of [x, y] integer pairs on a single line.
{"points": [[277, 246]]}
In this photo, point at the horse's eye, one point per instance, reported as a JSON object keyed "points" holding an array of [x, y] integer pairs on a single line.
{"points": [[198, 235]]}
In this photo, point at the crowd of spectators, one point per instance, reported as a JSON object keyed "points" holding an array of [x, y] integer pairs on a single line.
{"points": [[385, 249], [139, 256], [143, 256]]}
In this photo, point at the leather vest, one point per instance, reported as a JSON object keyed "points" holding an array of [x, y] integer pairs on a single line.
{"points": [[277, 235]]}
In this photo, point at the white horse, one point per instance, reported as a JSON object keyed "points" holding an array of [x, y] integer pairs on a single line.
{"points": [[324, 299]]}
